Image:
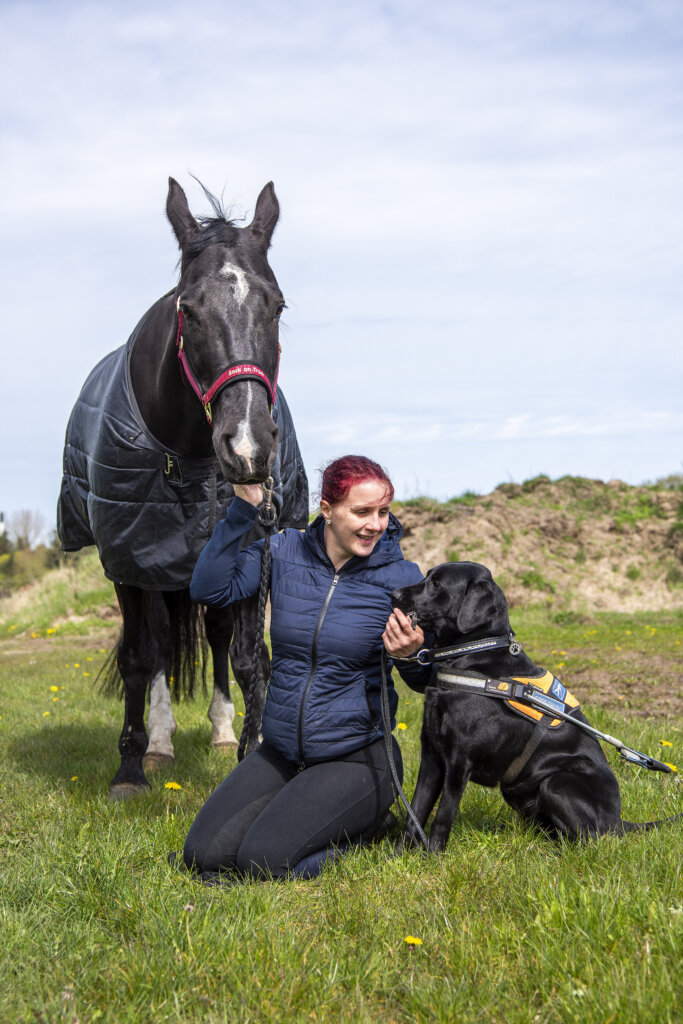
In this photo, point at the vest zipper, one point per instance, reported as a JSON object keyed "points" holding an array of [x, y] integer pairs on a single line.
{"points": [[314, 653]]}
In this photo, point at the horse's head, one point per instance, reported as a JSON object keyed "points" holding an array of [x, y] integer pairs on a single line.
{"points": [[229, 306]]}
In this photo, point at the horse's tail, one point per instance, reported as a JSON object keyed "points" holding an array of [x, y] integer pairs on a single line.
{"points": [[187, 660]]}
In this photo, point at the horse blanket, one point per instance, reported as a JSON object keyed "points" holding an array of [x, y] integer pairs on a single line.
{"points": [[148, 510]]}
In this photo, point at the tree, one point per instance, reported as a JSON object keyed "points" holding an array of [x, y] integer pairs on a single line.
{"points": [[26, 528]]}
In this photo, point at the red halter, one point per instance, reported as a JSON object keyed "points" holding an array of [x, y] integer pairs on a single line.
{"points": [[229, 375]]}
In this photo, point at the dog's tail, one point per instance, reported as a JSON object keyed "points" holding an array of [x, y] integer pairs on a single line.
{"points": [[644, 826]]}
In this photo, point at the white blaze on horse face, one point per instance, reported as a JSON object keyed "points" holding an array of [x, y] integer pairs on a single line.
{"points": [[160, 723], [241, 286], [221, 714], [244, 443]]}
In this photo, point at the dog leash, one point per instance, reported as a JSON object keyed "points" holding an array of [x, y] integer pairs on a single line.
{"points": [[504, 689], [398, 789]]}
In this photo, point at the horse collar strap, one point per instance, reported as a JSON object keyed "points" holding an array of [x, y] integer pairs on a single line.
{"points": [[428, 655], [238, 370]]}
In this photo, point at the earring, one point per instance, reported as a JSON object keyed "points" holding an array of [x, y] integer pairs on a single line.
{"points": [[328, 521]]}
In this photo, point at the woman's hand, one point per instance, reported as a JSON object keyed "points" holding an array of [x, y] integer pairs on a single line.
{"points": [[400, 639], [253, 493]]}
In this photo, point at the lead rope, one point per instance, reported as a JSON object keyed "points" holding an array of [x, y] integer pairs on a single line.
{"points": [[268, 518], [398, 789]]}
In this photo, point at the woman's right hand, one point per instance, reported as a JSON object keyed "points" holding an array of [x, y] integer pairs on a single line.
{"points": [[253, 493]]}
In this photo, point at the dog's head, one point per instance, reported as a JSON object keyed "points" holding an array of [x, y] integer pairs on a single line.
{"points": [[456, 599]]}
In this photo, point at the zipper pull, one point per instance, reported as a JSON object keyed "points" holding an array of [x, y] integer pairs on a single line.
{"points": [[301, 768]]}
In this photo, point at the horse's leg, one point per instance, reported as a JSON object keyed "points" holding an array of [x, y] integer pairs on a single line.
{"points": [[160, 721], [138, 656], [241, 656], [218, 623]]}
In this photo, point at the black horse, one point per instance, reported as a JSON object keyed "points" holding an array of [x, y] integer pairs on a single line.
{"points": [[161, 430]]}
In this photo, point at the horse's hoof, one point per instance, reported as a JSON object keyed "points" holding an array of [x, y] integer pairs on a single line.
{"points": [[120, 791], [225, 748], [153, 761]]}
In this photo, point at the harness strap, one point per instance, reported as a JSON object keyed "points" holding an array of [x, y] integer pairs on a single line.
{"points": [[514, 769]]}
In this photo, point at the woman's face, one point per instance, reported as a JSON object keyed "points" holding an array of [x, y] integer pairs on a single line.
{"points": [[355, 524]]}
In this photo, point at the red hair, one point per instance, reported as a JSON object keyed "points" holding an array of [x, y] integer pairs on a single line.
{"points": [[341, 475]]}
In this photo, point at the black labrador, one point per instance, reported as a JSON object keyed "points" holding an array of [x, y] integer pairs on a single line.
{"points": [[557, 777]]}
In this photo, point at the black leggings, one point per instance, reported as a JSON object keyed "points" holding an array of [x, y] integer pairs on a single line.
{"points": [[266, 816]]}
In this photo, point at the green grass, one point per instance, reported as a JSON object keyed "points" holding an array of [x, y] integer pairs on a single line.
{"points": [[514, 928]]}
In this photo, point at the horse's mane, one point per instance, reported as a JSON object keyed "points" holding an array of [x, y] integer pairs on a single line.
{"points": [[218, 230]]}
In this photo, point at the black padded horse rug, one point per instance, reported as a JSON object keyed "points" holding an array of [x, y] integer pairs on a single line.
{"points": [[149, 511]]}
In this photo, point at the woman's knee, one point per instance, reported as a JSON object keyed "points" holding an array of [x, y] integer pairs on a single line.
{"points": [[256, 859]]}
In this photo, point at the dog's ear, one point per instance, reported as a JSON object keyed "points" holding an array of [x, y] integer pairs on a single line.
{"points": [[483, 610]]}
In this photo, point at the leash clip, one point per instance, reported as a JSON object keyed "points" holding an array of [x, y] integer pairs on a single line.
{"points": [[267, 513]]}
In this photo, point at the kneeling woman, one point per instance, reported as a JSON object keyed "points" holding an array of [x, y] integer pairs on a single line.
{"points": [[320, 776]]}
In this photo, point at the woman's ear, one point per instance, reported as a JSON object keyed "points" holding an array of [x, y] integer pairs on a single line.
{"points": [[325, 508]]}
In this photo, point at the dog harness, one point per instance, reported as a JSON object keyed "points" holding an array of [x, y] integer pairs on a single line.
{"points": [[546, 691]]}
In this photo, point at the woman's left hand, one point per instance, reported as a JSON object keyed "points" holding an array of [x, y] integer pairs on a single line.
{"points": [[400, 639]]}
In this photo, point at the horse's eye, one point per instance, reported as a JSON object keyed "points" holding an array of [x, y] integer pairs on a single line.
{"points": [[280, 310]]}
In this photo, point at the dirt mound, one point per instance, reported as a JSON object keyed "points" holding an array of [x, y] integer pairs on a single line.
{"points": [[574, 543]]}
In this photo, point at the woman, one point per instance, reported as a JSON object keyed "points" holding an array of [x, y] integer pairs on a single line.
{"points": [[320, 776]]}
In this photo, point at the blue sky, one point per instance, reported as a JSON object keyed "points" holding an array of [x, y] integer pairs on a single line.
{"points": [[480, 239]]}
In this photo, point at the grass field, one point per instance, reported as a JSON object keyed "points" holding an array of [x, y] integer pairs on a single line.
{"points": [[511, 927]]}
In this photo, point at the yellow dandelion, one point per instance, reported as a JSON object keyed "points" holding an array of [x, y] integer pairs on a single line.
{"points": [[413, 940], [666, 743], [54, 689], [74, 778], [172, 785], [45, 714], [86, 673], [241, 714], [560, 664], [617, 647], [88, 659], [11, 628], [102, 650], [34, 636], [55, 699], [401, 725], [50, 630], [563, 653], [76, 664], [671, 766]]}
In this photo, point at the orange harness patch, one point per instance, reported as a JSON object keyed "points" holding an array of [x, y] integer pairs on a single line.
{"points": [[548, 691]]}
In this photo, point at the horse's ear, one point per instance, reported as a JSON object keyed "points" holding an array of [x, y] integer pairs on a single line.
{"points": [[178, 212], [265, 216]]}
